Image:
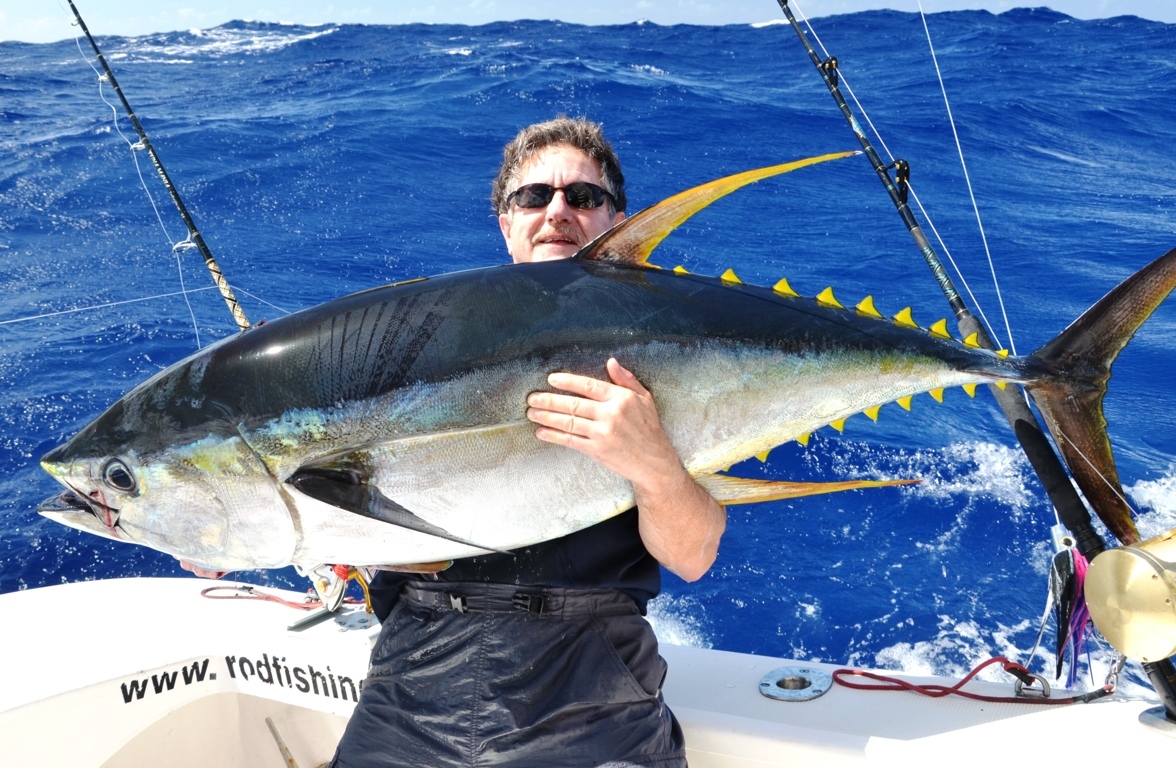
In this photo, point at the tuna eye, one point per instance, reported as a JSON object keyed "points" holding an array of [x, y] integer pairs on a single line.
{"points": [[118, 476]]}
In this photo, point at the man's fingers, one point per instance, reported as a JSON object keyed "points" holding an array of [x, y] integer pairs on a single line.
{"points": [[623, 377], [563, 422], [585, 386], [566, 404]]}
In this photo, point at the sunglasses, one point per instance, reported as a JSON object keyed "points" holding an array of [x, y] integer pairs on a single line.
{"points": [[580, 194]]}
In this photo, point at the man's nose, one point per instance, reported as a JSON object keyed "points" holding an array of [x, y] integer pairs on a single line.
{"points": [[558, 209]]}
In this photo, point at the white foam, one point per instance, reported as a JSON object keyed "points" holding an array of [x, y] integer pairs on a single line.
{"points": [[675, 622], [221, 41], [1156, 502]]}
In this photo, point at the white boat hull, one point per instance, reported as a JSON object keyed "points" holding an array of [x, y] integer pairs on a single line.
{"points": [[146, 672]]}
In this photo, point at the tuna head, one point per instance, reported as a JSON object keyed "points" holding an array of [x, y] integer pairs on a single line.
{"points": [[167, 467]]}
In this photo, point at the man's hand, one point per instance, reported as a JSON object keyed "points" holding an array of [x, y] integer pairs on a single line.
{"points": [[617, 425]]}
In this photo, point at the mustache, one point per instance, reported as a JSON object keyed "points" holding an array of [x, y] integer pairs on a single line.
{"points": [[556, 233]]}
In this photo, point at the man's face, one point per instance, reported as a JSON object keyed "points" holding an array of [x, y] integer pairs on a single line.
{"points": [[558, 230]]}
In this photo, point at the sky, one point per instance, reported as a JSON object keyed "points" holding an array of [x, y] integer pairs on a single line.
{"points": [[42, 21]]}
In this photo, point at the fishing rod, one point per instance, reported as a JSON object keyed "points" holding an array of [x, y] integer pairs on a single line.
{"points": [[193, 234], [1071, 511]]}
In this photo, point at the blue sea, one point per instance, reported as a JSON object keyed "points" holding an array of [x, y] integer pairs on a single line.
{"points": [[323, 160]]}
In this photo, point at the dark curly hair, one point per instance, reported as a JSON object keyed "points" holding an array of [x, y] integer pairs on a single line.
{"points": [[579, 133]]}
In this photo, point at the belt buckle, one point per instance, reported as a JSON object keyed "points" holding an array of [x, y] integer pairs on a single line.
{"points": [[529, 603]]}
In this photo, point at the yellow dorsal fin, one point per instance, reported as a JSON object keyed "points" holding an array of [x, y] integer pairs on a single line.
{"points": [[970, 388], [905, 402], [737, 490], [866, 307], [838, 425], [634, 239], [763, 456], [939, 329], [681, 270], [730, 277], [936, 393], [827, 298], [803, 439], [905, 319], [872, 412], [971, 341], [783, 288], [1002, 353]]}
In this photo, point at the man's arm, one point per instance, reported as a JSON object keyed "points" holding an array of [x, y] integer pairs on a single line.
{"points": [[617, 425]]}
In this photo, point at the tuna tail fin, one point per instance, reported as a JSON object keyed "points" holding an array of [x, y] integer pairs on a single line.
{"points": [[1071, 396], [631, 241]]}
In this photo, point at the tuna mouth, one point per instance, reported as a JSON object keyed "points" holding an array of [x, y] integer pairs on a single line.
{"points": [[77, 511]]}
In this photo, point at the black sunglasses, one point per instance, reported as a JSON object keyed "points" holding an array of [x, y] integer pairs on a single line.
{"points": [[579, 194]]}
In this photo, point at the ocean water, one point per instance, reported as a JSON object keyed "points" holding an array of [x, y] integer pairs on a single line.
{"points": [[318, 161]]}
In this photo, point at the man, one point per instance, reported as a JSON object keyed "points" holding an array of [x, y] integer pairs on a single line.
{"points": [[541, 657]]}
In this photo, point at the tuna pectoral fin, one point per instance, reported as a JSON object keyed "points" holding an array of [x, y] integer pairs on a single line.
{"points": [[634, 239], [737, 490], [347, 490], [1070, 395]]}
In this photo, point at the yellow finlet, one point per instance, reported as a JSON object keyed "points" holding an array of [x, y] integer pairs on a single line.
{"points": [[936, 393], [803, 439], [631, 241], [784, 289], [763, 457], [970, 388], [1002, 353], [972, 341], [1002, 385], [838, 425], [826, 298], [681, 270], [866, 307], [905, 319], [939, 330], [730, 277], [872, 412], [905, 402]]}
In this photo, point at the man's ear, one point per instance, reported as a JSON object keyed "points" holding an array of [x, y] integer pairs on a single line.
{"points": [[618, 217], [504, 226]]}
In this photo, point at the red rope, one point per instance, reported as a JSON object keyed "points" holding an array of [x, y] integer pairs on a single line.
{"points": [[252, 593], [936, 690]]}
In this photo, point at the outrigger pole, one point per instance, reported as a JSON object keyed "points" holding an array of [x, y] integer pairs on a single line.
{"points": [[193, 234], [1072, 512]]}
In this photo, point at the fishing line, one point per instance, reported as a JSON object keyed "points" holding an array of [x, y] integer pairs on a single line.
{"points": [[967, 179], [263, 301], [104, 306], [926, 215], [194, 236], [176, 248], [1101, 476]]}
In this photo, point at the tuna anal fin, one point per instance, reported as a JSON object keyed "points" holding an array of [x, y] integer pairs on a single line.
{"points": [[634, 239], [347, 490], [729, 490]]}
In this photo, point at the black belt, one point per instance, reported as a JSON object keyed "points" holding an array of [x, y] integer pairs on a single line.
{"points": [[466, 597]]}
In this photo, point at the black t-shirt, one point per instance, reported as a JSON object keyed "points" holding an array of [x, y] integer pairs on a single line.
{"points": [[606, 555]]}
